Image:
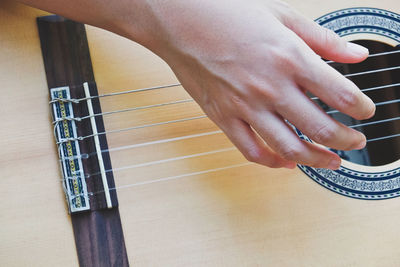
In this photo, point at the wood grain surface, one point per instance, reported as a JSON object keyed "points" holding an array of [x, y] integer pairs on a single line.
{"points": [[182, 204]]}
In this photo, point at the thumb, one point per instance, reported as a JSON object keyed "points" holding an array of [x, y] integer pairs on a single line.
{"points": [[323, 41]]}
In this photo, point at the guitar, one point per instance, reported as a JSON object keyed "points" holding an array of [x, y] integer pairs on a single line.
{"points": [[186, 196]]}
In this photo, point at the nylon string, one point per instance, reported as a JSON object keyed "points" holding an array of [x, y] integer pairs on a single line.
{"points": [[178, 84], [201, 134], [192, 100], [80, 138]]}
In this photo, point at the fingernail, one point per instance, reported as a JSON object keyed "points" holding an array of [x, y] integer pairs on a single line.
{"points": [[334, 164], [357, 50]]}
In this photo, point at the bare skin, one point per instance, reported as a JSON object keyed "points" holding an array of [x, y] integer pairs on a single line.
{"points": [[248, 65]]}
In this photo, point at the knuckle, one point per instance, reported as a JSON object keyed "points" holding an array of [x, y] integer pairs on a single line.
{"points": [[320, 163], [257, 155], [238, 102], [292, 153], [253, 155], [219, 111], [281, 103], [240, 106], [328, 35], [259, 90], [330, 39], [354, 140], [324, 134], [271, 93], [286, 58], [215, 113], [273, 164], [352, 144], [347, 99]]}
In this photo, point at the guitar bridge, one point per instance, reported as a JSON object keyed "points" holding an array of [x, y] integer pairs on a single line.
{"points": [[74, 182], [82, 147]]}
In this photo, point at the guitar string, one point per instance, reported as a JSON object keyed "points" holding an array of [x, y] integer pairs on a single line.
{"points": [[364, 124], [127, 147], [85, 156], [383, 137], [190, 100], [77, 100], [198, 155], [373, 122], [369, 89], [169, 177], [167, 140], [81, 138], [184, 175], [132, 109], [178, 84], [161, 141], [181, 176], [87, 176], [369, 56], [149, 163], [376, 104], [371, 71], [187, 101], [352, 126], [191, 156]]}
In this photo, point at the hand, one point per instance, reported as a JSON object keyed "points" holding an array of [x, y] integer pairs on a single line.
{"points": [[249, 66]]}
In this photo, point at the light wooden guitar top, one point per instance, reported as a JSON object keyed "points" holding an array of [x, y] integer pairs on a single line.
{"points": [[176, 210]]}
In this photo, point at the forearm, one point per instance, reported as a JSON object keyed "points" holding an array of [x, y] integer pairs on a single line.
{"points": [[130, 18]]}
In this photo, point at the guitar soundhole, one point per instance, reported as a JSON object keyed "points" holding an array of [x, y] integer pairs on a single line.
{"points": [[384, 151]]}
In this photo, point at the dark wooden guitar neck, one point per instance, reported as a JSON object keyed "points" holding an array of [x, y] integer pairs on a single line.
{"points": [[98, 231]]}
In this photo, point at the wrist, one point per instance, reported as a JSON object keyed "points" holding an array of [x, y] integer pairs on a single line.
{"points": [[138, 21]]}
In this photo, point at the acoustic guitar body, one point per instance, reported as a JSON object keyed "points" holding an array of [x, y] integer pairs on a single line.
{"points": [[186, 196]]}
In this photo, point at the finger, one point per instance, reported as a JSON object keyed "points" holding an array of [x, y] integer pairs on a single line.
{"points": [[323, 41], [251, 146], [316, 124], [282, 139], [334, 89]]}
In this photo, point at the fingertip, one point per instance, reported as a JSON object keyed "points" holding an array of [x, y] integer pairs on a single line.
{"points": [[358, 52], [367, 109], [290, 165], [361, 144], [334, 164], [372, 108], [275, 161]]}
